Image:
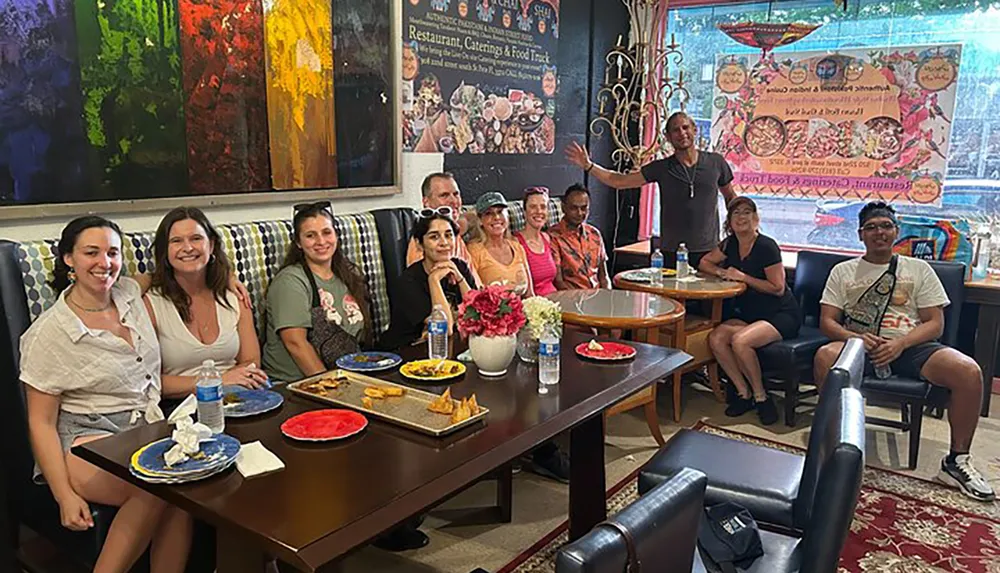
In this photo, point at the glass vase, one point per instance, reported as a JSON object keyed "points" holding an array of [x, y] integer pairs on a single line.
{"points": [[527, 346]]}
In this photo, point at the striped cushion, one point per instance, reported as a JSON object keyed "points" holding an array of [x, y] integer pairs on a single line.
{"points": [[256, 251]]}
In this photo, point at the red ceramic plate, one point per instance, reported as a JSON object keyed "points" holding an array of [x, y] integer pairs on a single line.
{"points": [[323, 425], [612, 351]]}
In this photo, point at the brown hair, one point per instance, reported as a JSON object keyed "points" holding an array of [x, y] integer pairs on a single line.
{"points": [[732, 206], [341, 266], [216, 274]]}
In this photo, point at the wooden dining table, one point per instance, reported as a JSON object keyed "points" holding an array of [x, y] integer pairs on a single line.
{"points": [[691, 335], [332, 498], [613, 310]]}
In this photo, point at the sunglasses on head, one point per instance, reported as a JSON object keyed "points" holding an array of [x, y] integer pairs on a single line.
{"points": [[324, 205], [443, 210]]}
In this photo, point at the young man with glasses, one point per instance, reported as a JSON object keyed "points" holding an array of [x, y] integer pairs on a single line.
{"points": [[903, 336], [441, 195]]}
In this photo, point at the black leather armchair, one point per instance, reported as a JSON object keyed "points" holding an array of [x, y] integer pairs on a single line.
{"points": [[914, 395], [779, 488], [663, 524], [791, 361]]}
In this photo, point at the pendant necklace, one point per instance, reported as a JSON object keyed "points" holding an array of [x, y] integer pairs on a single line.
{"points": [[690, 176]]}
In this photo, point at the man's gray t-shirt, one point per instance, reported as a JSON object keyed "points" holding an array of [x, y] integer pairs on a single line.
{"points": [[685, 219]]}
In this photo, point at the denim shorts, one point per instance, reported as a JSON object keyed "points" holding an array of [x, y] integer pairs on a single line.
{"points": [[71, 426]]}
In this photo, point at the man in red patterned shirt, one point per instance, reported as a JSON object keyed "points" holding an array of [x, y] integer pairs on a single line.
{"points": [[578, 246]]}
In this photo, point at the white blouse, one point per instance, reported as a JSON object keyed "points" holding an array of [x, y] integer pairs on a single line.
{"points": [[181, 351], [95, 371]]}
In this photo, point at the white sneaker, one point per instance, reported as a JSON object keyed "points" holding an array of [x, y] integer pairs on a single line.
{"points": [[966, 478]]}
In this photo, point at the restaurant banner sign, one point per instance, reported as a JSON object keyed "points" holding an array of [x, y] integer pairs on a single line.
{"points": [[859, 124], [479, 76]]}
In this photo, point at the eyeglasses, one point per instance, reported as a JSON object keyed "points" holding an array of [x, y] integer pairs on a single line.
{"points": [[442, 210], [872, 227], [324, 205]]}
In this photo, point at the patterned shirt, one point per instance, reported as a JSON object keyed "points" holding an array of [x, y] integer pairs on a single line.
{"points": [[580, 253]]}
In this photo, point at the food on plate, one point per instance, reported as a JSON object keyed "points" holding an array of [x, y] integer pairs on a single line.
{"points": [[595, 346], [376, 393], [796, 136], [466, 409], [371, 358], [502, 109], [443, 404], [231, 399], [367, 402], [885, 137], [392, 391], [823, 142], [765, 136], [851, 143], [432, 369]]}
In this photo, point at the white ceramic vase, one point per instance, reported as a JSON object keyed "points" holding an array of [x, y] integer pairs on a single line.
{"points": [[492, 354]]}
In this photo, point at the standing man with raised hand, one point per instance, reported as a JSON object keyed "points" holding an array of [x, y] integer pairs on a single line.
{"points": [[690, 182]]}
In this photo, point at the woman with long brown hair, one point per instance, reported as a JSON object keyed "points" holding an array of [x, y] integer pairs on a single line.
{"points": [[317, 305], [194, 308], [766, 312]]}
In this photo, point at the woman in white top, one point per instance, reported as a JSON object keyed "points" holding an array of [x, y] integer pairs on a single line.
{"points": [[194, 309], [91, 368]]}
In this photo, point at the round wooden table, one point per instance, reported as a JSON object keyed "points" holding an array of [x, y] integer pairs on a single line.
{"points": [[607, 310], [692, 337]]}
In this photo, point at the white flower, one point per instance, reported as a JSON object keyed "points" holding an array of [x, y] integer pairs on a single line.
{"points": [[541, 313]]}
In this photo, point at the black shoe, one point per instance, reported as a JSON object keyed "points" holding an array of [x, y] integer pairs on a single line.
{"points": [[553, 464], [739, 406], [403, 538], [767, 411], [732, 395]]}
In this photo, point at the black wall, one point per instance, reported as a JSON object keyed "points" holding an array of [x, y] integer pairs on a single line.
{"points": [[588, 29]]}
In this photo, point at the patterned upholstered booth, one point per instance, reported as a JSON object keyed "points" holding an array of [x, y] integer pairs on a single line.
{"points": [[255, 249]]}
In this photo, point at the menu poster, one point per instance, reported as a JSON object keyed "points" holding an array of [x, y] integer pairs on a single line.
{"points": [[860, 124], [479, 76]]}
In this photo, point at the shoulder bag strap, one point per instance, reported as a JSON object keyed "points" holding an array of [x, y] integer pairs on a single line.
{"points": [[633, 566], [312, 283]]}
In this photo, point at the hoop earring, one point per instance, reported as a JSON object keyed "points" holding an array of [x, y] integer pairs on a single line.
{"points": [[211, 258], [71, 275]]}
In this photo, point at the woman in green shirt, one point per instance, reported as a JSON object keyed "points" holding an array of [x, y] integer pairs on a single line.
{"points": [[317, 307]]}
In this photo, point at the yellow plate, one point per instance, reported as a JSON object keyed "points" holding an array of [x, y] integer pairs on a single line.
{"points": [[408, 370], [669, 272]]}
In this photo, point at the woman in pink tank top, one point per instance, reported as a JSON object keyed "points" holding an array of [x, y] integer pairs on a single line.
{"points": [[542, 258]]}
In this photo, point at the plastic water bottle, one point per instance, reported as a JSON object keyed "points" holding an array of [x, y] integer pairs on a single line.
{"points": [[883, 372], [437, 334], [208, 389], [548, 360], [656, 262], [683, 269]]}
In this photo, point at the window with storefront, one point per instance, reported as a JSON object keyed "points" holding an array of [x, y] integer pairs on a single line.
{"points": [[971, 183]]}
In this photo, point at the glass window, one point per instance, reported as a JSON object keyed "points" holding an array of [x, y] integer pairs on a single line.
{"points": [[972, 184]]}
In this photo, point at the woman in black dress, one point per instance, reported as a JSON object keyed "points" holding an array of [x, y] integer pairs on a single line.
{"points": [[766, 312]]}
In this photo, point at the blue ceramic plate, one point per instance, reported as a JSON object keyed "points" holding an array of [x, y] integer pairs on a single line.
{"points": [[369, 361], [219, 451], [181, 479], [240, 402]]}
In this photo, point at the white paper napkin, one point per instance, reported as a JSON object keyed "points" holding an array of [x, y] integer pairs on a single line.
{"points": [[254, 460], [187, 433]]}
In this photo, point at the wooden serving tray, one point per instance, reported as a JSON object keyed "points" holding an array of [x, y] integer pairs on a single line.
{"points": [[409, 410]]}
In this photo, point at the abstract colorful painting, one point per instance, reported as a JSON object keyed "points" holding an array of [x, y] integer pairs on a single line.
{"points": [[43, 150], [225, 105], [130, 75], [300, 102]]}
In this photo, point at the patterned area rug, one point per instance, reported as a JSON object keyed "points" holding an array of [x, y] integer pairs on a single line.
{"points": [[902, 524]]}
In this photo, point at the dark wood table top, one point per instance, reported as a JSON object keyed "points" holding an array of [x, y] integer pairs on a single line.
{"points": [[332, 498]]}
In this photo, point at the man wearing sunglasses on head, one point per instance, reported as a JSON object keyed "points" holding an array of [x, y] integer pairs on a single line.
{"points": [[895, 304], [441, 194]]}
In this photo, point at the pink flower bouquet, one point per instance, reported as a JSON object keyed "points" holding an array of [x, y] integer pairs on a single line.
{"points": [[491, 311]]}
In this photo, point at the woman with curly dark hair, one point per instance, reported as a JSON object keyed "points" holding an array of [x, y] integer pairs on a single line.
{"points": [[317, 305], [194, 308]]}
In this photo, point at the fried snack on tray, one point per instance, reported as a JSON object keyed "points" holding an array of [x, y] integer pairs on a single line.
{"points": [[442, 404], [392, 391], [473, 405], [367, 402], [376, 393], [466, 409], [320, 386]]}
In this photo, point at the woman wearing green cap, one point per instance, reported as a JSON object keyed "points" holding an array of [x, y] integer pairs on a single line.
{"points": [[497, 257]]}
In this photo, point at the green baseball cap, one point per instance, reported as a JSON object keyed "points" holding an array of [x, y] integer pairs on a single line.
{"points": [[490, 199]]}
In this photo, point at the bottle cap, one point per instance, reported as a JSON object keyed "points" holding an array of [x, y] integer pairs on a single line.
{"points": [[208, 363]]}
